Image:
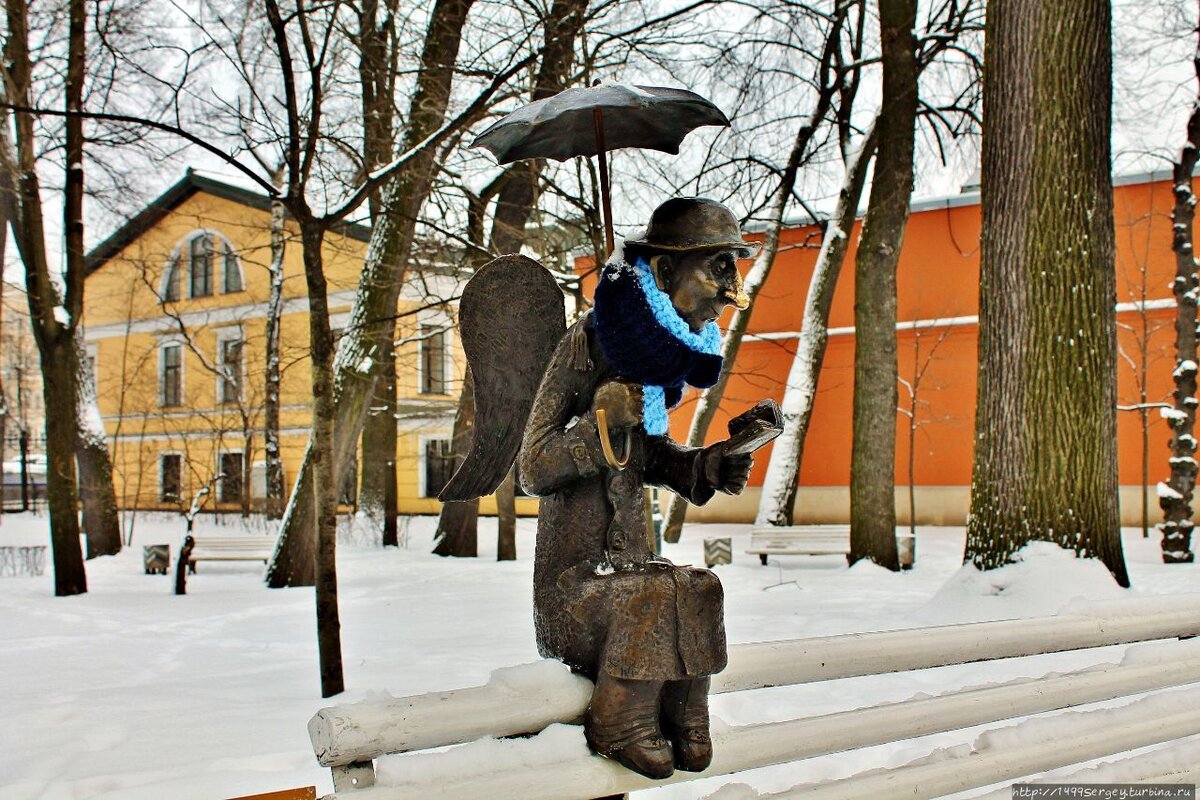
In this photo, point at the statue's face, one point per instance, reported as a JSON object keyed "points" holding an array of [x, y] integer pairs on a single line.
{"points": [[701, 283]]}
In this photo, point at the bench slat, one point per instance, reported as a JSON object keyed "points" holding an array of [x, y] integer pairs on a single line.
{"points": [[367, 730]]}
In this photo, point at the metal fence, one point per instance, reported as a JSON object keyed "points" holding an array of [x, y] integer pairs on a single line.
{"points": [[24, 474]]}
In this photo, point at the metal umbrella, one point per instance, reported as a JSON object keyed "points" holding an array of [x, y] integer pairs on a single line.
{"points": [[589, 121]]}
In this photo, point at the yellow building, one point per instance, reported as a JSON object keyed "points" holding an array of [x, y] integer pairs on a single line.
{"points": [[175, 322]]}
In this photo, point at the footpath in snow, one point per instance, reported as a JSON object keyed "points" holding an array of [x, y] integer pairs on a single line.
{"points": [[130, 692]]}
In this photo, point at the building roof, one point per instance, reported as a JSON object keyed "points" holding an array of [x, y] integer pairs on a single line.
{"points": [[191, 183]]}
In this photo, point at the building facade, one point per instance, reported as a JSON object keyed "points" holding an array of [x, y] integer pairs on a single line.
{"points": [[938, 301], [175, 324]]}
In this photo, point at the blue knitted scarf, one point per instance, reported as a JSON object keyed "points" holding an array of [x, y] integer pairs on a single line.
{"points": [[647, 342]]}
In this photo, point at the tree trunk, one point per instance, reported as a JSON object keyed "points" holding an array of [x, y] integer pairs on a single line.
{"points": [[457, 532], [274, 462], [101, 520], [378, 288], [377, 495], [710, 400], [379, 453], [58, 382], [506, 518], [1045, 431], [778, 500], [1176, 504], [52, 318], [873, 454], [329, 637]]}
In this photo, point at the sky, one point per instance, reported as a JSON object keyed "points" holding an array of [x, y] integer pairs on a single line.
{"points": [[1154, 87]]}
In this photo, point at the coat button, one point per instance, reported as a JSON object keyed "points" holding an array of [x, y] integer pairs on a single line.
{"points": [[617, 540], [578, 450]]}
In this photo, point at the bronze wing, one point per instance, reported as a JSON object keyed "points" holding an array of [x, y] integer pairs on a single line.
{"points": [[511, 316]]}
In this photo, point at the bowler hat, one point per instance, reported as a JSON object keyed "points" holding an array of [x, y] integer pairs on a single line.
{"points": [[683, 224]]}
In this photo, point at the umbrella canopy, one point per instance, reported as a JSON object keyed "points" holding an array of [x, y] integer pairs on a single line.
{"points": [[564, 126]]}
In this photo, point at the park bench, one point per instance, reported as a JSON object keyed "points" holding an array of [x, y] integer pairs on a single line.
{"points": [[551, 759], [22, 559], [799, 540], [230, 548]]}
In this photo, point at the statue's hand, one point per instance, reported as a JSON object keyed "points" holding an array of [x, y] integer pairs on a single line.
{"points": [[725, 472], [621, 403]]}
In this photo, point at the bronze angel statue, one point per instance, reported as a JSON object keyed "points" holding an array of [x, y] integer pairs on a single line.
{"points": [[583, 413]]}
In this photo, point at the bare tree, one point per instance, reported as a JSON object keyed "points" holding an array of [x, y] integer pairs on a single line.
{"points": [[54, 318], [515, 191], [836, 76], [1045, 432], [944, 45], [275, 493], [873, 454], [1175, 495], [913, 405], [404, 186]]}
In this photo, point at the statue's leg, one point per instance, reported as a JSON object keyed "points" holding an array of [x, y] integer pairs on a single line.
{"points": [[622, 723], [685, 722]]}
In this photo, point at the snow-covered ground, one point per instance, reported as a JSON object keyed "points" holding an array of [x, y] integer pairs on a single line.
{"points": [[130, 692]]}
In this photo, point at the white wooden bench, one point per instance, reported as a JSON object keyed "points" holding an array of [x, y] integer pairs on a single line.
{"points": [[230, 548], [799, 540], [22, 559], [554, 762]]}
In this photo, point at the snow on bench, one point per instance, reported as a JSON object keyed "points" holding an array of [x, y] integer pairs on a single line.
{"points": [[536, 700], [799, 540], [230, 548]]}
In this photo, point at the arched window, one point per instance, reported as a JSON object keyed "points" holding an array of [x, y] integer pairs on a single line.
{"points": [[203, 263]]}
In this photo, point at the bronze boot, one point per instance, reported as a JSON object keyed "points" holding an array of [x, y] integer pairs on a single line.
{"points": [[685, 723], [622, 724]]}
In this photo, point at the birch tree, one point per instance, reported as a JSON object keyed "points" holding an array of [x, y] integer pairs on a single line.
{"points": [[949, 24], [1175, 494], [835, 74]]}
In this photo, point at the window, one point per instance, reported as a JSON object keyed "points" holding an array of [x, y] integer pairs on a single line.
{"points": [[433, 359], [170, 289], [200, 264], [92, 352], [229, 382], [233, 273], [229, 485], [171, 377], [439, 465], [348, 495], [170, 477]]}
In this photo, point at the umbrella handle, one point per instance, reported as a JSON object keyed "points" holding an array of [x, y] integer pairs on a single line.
{"points": [[605, 196]]}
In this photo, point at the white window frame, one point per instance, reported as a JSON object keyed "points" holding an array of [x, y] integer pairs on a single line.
{"points": [[231, 333], [182, 461], [93, 356], [422, 441], [183, 253], [237, 264], [171, 275], [161, 345], [221, 453], [446, 323]]}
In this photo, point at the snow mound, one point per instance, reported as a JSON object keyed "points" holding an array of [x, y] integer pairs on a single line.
{"points": [[1042, 580]]}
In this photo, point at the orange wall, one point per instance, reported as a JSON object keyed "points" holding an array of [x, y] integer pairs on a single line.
{"points": [[938, 278]]}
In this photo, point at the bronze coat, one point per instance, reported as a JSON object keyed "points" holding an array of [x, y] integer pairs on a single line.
{"points": [[603, 601]]}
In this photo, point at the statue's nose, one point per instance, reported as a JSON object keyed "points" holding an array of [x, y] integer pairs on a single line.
{"points": [[736, 294]]}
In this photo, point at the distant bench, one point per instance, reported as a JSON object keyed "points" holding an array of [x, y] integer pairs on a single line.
{"points": [[230, 548], [22, 560], [799, 540]]}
